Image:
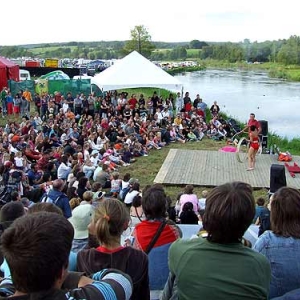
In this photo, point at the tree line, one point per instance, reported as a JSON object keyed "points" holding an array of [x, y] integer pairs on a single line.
{"points": [[286, 51]]}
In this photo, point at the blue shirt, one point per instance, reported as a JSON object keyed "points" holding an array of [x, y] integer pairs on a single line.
{"points": [[283, 254]]}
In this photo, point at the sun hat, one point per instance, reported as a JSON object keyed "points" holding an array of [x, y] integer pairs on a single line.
{"points": [[81, 217]]}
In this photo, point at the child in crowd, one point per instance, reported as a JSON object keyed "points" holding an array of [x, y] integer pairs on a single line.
{"points": [[188, 216], [87, 198], [115, 184], [202, 200], [19, 161]]}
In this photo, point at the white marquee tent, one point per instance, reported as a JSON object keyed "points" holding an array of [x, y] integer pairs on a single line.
{"points": [[134, 71]]}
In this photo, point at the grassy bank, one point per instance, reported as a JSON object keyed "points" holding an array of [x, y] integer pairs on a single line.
{"points": [[274, 70], [179, 70]]}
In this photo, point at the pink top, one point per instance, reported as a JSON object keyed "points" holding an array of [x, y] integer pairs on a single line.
{"points": [[189, 198]]}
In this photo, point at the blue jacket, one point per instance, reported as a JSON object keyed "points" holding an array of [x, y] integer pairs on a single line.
{"points": [[284, 256], [62, 202]]}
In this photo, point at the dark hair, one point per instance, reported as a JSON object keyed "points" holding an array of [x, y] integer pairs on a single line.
{"points": [[11, 211], [96, 186], [188, 216], [154, 203], [285, 212], [188, 206], [260, 201], [64, 159], [188, 189], [137, 201], [14, 196], [45, 207], [36, 263], [252, 128], [111, 218], [71, 192], [82, 182], [126, 177], [135, 186], [229, 211], [79, 175]]}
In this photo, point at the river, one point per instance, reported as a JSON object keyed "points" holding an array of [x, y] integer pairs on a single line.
{"points": [[239, 93]]}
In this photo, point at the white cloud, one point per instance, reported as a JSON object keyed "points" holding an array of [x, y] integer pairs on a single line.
{"points": [[91, 20]]}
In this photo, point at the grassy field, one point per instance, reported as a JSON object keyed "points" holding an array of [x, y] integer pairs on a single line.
{"points": [[43, 50]]}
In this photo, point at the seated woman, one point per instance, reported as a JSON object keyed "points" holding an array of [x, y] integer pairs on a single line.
{"points": [[188, 216], [155, 235], [212, 132], [110, 219], [189, 196], [220, 266], [281, 245], [136, 211]]}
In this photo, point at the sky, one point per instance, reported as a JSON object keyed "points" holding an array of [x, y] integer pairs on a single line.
{"points": [[36, 21]]}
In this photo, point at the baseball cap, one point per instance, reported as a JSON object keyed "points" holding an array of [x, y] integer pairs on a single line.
{"points": [[81, 217]]}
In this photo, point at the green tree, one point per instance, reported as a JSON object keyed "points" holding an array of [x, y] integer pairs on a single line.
{"points": [[140, 41], [289, 52], [92, 55], [196, 44]]}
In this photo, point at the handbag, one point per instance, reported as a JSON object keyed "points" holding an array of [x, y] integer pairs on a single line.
{"points": [[156, 236]]}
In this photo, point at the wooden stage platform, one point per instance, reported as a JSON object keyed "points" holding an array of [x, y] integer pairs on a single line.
{"points": [[212, 168]]}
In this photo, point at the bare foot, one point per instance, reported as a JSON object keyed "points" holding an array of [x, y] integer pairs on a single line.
{"points": [[250, 169]]}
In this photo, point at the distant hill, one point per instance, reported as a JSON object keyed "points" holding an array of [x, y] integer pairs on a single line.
{"points": [[102, 44]]}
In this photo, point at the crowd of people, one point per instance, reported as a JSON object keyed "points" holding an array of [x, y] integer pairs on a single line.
{"points": [[217, 263], [66, 137], [61, 188]]}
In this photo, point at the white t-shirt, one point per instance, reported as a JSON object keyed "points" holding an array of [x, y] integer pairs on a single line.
{"points": [[202, 202], [129, 196], [19, 161]]}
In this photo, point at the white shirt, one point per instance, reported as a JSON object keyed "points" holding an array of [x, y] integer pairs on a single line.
{"points": [[19, 161], [65, 107], [202, 202], [63, 171], [129, 196], [96, 172]]}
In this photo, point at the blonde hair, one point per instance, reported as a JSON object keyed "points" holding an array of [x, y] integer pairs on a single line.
{"points": [[88, 196], [115, 175], [111, 219], [74, 202], [18, 154]]}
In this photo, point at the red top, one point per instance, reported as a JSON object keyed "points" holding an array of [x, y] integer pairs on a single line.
{"points": [[253, 122], [105, 250], [145, 231], [132, 103]]}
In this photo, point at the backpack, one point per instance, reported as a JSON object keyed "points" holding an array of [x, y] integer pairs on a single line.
{"points": [[47, 199]]}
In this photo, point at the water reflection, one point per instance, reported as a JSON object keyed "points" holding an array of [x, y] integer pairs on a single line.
{"points": [[241, 92]]}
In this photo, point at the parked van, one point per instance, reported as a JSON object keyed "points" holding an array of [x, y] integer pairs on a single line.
{"points": [[24, 75]]}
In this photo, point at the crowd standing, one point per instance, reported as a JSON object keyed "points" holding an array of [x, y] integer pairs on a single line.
{"points": [[61, 183]]}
